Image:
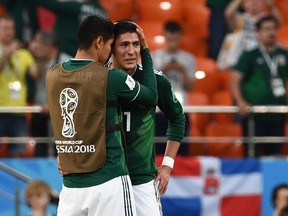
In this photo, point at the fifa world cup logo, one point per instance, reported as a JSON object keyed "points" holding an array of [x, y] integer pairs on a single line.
{"points": [[68, 102]]}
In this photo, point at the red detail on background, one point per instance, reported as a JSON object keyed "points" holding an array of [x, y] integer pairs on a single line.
{"points": [[46, 18], [183, 166]]}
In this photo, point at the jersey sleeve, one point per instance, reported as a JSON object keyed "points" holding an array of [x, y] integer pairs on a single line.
{"points": [[127, 89], [148, 88], [171, 107]]}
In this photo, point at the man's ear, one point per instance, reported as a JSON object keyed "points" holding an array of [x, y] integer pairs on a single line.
{"points": [[98, 42]]}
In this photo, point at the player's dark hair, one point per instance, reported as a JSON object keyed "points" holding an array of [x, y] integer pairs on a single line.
{"points": [[48, 37], [276, 190], [172, 27], [91, 28], [124, 26], [264, 19]]}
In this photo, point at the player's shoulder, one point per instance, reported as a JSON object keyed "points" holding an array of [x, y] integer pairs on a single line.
{"points": [[119, 80], [282, 49], [117, 76], [117, 72], [156, 72]]}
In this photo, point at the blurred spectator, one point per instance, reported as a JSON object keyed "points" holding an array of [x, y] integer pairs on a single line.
{"points": [[280, 199], [241, 17], [284, 211], [15, 65], [217, 26], [68, 16], [252, 11], [44, 47], [38, 196], [179, 67], [25, 17], [259, 79]]}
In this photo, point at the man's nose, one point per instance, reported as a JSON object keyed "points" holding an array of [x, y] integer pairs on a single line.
{"points": [[131, 49]]}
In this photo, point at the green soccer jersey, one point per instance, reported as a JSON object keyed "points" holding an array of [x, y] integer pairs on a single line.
{"points": [[119, 88], [139, 123], [256, 83]]}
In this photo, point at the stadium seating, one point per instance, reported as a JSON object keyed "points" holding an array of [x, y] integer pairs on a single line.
{"points": [[208, 85], [153, 33], [196, 148], [224, 149], [198, 121], [119, 9], [224, 79], [205, 64], [282, 5], [196, 19], [202, 2], [283, 35], [192, 43], [157, 10], [222, 98]]}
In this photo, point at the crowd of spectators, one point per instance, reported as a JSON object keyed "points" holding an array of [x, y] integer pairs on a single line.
{"points": [[234, 32]]}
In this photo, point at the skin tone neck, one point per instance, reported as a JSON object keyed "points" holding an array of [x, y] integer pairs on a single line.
{"points": [[90, 53], [269, 47], [99, 51]]}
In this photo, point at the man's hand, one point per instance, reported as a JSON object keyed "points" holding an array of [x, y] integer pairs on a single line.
{"points": [[59, 168], [243, 107], [141, 35], [173, 66], [15, 45], [162, 177]]}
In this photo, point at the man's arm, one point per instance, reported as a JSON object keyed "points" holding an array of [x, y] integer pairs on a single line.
{"points": [[274, 10], [173, 111], [235, 87], [230, 13], [164, 171]]}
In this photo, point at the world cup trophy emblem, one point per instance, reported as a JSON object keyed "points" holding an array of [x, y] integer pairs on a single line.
{"points": [[68, 101]]}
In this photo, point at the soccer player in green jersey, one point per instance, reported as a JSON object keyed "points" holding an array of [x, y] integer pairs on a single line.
{"points": [[82, 98], [139, 122]]}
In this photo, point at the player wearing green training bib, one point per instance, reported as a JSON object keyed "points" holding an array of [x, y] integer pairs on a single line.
{"points": [[83, 98]]}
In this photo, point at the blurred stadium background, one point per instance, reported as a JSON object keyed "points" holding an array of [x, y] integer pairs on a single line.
{"points": [[211, 91]]}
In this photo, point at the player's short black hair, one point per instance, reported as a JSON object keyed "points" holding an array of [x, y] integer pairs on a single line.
{"points": [[91, 28], [276, 190], [266, 18], [172, 27], [123, 26]]}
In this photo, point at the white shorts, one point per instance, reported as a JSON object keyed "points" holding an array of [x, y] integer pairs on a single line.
{"points": [[147, 199], [112, 198]]}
